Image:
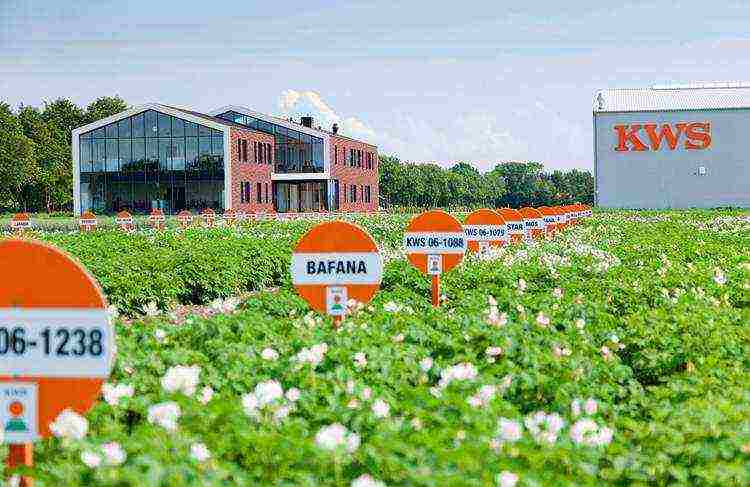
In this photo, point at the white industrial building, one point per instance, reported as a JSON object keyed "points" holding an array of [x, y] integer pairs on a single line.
{"points": [[680, 146]]}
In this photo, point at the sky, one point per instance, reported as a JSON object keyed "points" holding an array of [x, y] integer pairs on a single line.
{"points": [[427, 81]]}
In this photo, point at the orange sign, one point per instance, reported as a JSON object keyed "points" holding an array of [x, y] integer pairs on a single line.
{"points": [[20, 222], [562, 217], [230, 216], [157, 219], [549, 215], [438, 234], [124, 220], [642, 137], [184, 217], [533, 223], [209, 215], [333, 263], [87, 221], [483, 229], [514, 221], [56, 341]]}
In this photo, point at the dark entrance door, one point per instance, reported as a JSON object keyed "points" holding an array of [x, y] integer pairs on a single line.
{"points": [[178, 196]]}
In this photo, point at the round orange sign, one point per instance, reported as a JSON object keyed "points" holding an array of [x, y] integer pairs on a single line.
{"points": [[533, 223], [485, 228], [334, 262], [435, 242], [62, 342], [514, 221]]}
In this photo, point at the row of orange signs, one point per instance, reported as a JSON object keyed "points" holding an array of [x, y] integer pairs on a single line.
{"points": [[551, 218], [337, 261]]}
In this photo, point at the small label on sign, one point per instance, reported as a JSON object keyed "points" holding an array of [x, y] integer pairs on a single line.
{"points": [[336, 298], [52, 342], [434, 242], [434, 265], [486, 233], [337, 268], [515, 228], [18, 412]]}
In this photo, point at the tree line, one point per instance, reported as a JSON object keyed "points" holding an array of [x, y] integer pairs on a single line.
{"points": [[513, 184], [36, 168]]}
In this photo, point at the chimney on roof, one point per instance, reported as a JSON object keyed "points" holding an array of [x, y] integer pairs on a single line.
{"points": [[307, 121], [335, 128]]}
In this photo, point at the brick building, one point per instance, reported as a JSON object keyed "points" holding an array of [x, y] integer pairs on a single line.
{"points": [[159, 156]]}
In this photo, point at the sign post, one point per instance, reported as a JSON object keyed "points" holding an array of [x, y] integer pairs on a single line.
{"points": [[56, 343], [484, 229], [333, 263], [514, 221], [435, 243]]}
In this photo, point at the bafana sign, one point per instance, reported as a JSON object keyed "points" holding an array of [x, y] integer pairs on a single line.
{"points": [[333, 263], [651, 136]]}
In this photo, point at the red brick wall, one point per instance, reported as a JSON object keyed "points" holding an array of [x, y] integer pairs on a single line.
{"points": [[251, 172], [358, 176]]}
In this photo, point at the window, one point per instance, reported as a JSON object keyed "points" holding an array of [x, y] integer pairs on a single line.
{"points": [[359, 158], [336, 196], [245, 192], [239, 150], [335, 154], [368, 195], [269, 158], [266, 185], [259, 193], [244, 150], [353, 193], [345, 196]]}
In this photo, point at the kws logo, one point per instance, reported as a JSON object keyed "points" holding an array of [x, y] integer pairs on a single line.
{"points": [[642, 137]]}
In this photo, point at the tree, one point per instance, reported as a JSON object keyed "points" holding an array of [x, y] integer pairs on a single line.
{"points": [[17, 163], [104, 107]]}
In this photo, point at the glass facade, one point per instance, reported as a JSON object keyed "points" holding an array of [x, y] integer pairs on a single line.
{"points": [[307, 196], [152, 160], [294, 152]]}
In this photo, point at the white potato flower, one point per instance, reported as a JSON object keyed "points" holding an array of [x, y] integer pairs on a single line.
{"points": [[69, 424], [181, 378]]}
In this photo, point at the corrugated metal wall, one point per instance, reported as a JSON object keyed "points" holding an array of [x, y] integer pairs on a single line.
{"points": [[672, 178]]}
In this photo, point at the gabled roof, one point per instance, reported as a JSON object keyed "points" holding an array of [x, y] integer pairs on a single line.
{"points": [[196, 117], [714, 96]]}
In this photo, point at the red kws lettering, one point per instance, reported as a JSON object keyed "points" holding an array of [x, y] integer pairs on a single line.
{"points": [[629, 133], [697, 135], [698, 132], [664, 133]]}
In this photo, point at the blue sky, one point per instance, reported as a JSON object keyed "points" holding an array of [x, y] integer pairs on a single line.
{"points": [[428, 81]]}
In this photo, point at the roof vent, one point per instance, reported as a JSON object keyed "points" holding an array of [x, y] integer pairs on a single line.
{"points": [[307, 121], [335, 128]]}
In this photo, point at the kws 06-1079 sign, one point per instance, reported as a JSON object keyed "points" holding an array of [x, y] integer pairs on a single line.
{"points": [[334, 262]]}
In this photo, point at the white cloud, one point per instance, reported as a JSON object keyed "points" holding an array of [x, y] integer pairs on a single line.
{"points": [[480, 137]]}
